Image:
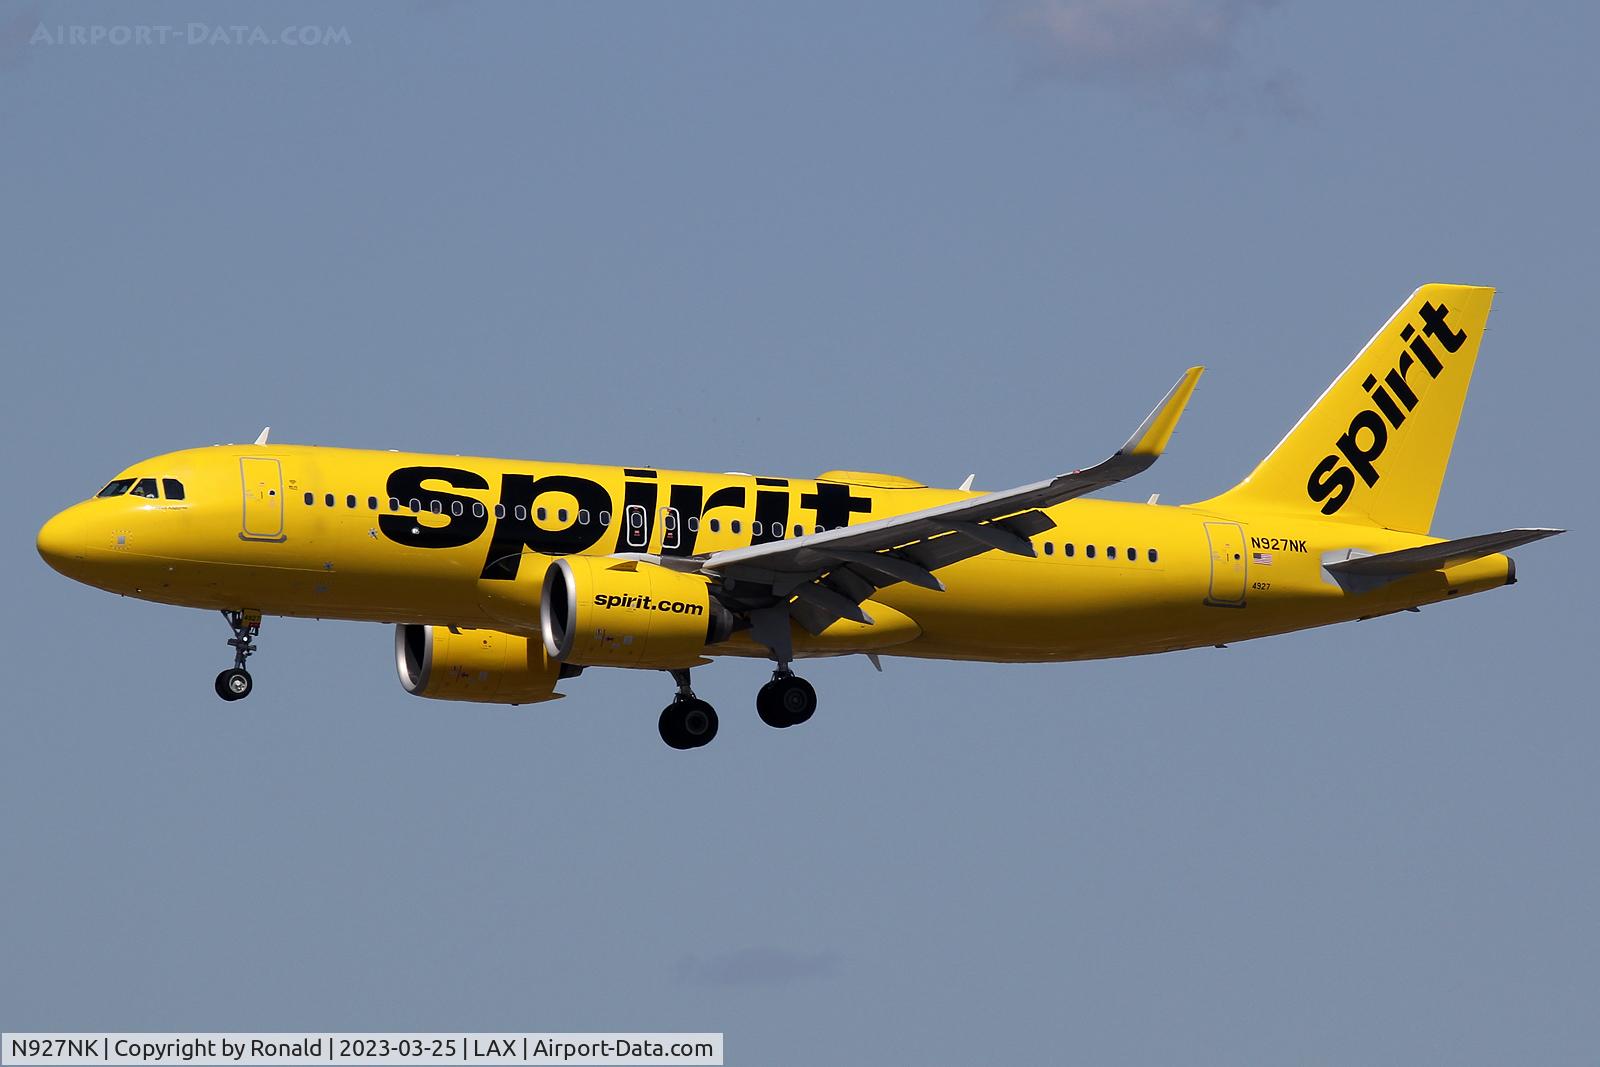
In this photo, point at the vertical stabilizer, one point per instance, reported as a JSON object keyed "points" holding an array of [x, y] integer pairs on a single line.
{"points": [[1374, 447]]}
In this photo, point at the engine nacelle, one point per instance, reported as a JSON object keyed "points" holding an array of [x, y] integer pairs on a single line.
{"points": [[604, 612], [482, 665]]}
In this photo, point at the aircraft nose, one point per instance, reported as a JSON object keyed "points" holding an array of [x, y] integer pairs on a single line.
{"points": [[61, 540]]}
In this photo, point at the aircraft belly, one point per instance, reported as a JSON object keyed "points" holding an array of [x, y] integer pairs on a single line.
{"points": [[1020, 610]]}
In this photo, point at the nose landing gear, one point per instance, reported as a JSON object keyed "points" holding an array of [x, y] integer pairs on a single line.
{"points": [[235, 683], [687, 722]]}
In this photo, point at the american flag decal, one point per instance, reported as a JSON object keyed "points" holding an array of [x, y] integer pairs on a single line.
{"points": [[1262, 558]]}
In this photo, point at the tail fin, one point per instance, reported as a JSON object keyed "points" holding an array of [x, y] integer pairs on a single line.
{"points": [[1374, 447]]}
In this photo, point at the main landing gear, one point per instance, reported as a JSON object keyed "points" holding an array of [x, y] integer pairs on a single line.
{"points": [[687, 722], [787, 700], [235, 683]]}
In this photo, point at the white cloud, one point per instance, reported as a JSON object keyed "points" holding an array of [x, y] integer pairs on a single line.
{"points": [[1181, 50]]}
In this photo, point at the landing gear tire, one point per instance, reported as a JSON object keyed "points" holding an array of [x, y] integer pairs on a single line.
{"points": [[787, 700], [688, 723], [234, 684]]}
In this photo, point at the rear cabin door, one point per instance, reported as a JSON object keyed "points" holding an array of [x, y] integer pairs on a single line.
{"points": [[263, 499], [1227, 564]]}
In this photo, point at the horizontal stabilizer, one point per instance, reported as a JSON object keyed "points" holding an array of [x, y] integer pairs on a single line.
{"points": [[1438, 556]]}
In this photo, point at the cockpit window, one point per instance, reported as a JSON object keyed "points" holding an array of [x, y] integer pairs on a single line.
{"points": [[116, 488], [172, 488], [146, 487]]}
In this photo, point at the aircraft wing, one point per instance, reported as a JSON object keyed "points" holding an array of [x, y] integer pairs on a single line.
{"points": [[830, 573]]}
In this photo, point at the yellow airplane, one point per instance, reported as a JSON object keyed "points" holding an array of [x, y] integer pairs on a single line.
{"points": [[505, 577]]}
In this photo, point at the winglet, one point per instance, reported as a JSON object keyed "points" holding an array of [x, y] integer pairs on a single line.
{"points": [[1151, 438], [262, 438]]}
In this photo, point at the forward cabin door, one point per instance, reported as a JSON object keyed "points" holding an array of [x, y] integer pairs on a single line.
{"points": [[1227, 564], [263, 499]]}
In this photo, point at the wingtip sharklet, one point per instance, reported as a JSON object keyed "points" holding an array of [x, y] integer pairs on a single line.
{"points": [[1152, 436]]}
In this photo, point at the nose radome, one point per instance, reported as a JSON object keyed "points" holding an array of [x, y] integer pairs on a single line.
{"points": [[61, 540]]}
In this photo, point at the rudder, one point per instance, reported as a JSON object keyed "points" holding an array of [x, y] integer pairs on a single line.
{"points": [[1374, 447]]}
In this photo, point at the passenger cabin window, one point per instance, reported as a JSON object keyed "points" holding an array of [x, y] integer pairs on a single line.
{"points": [[172, 488], [1111, 552], [146, 487], [372, 503], [311, 498], [1088, 551], [1049, 549], [350, 501], [1152, 555], [328, 500], [1133, 555], [116, 488], [1068, 549]]}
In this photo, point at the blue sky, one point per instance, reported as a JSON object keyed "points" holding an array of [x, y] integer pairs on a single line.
{"points": [[933, 239]]}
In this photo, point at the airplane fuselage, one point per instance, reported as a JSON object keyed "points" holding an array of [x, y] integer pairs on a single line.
{"points": [[393, 537]]}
